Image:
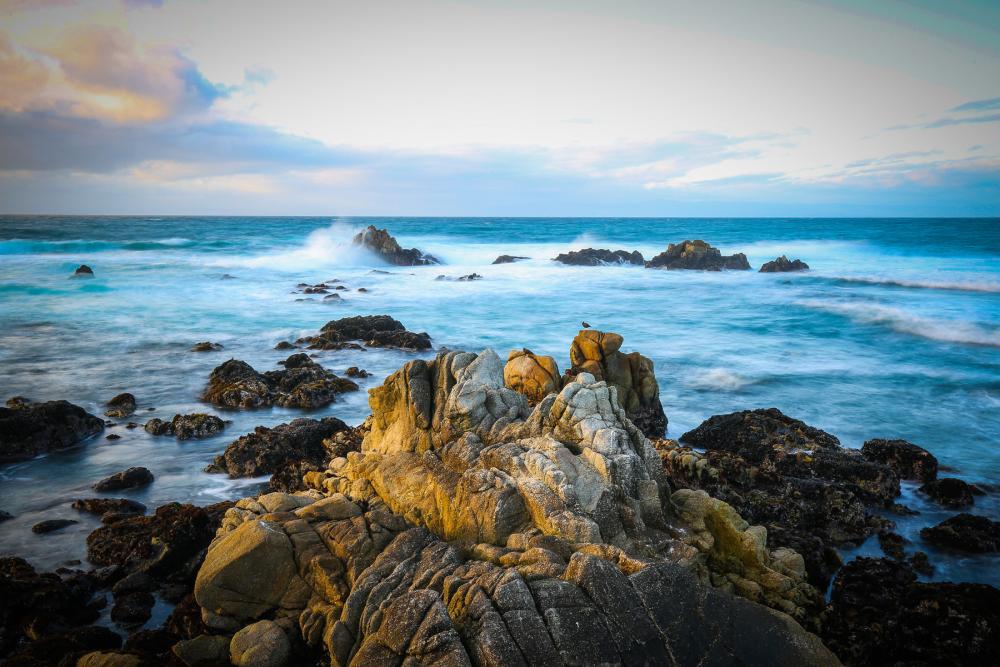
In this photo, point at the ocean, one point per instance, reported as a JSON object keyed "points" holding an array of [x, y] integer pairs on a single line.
{"points": [[893, 333]]}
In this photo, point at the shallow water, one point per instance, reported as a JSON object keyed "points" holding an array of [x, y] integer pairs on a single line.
{"points": [[895, 332]]}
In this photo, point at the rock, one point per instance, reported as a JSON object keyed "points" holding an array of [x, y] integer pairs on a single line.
{"points": [[880, 615], [5, 516], [363, 289], [532, 375], [121, 405], [83, 271], [599, 257], [950, 492], [697, 255], [965, 532], [892, 545], [469, 277], [783, 265], [29, 429], [355, 372], [302, 384], [109, 659], [112, 436], [372, 330], [132, 608], [109, 507], [206, 346], [631, 374], [332, 297], [132, 478], [203, 650], [508, 259], [909, 461], [185, 427], [284, 345], [50, 525], [261, 644], [266, 450], [385, 246]]}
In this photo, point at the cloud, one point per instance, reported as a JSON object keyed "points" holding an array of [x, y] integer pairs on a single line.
{"points": [[979, 105], [971, 120]]}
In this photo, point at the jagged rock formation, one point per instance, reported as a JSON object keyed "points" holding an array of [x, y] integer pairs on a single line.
{"points": [[783, 265], [599, 257], [372, 330], [28, 429], [303, 384], [535, 376], [387, 248], [185, 427], [631, 375], [697, 255]]}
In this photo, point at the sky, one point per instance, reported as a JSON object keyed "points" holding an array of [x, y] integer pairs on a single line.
{"points": [[546, 108]]}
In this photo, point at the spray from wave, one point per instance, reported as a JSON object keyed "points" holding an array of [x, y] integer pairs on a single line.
{"points": [[324, 248], [719, 379], [989, 287], [899, 320]]}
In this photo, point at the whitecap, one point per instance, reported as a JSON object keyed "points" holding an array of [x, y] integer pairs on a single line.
{"points": [[719, 379]]}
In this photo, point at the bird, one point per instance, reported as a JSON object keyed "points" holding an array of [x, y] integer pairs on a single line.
{"points": [[584, 325]]}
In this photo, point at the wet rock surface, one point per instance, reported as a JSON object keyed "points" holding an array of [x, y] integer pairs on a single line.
{"points": [[599, 257], [302, 384], [508, 259], [206, 346], [109, 509], [908, 460], [388, 249], [951, 492], [186, 427], [120, 406], [28, 429], [783, 265], [51, 525], [372, 330], [965, 532], [83, 271], [132, 478], [697, 255]]}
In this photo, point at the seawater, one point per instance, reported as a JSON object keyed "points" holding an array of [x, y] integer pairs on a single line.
{"points": [[894, 333]]}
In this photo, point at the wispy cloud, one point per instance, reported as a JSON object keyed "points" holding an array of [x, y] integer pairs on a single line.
{"points": [[979, 105]]}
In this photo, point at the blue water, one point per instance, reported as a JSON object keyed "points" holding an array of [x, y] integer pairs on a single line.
{"points": [[894, 333]]}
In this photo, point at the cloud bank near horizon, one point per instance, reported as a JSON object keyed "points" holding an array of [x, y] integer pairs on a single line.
{"points": [[472, 108]]}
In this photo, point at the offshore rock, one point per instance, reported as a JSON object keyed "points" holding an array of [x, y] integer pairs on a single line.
{"points": [[910, 461], [697, 255], [28, 429], [387, 248], [372, 330], [206, 346], [783, 265], [83, 271], [109, 509], [131, 478], [599, 257], [185, 427], [120, 406], [266, 450], [631, 375], [303, 384], [533, 375], [965, 532], [508, 259], [951, 492]]}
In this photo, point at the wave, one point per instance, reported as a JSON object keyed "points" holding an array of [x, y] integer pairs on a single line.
{"points": [[719, 379], [77, 246], [949, 331], [324, 248], [970, 286]]}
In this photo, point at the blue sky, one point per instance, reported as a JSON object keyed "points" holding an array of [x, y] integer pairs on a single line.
{"points": [[485, 108]]}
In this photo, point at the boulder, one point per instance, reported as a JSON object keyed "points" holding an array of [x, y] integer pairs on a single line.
{"points": [[203, 650], [508, 259], [599, 257], [965, 532], [185, 427], [131, 478], [260, 644], [380, 242], [951, 492], [206, 346], [532, 375], [697, 255], [302, 384], [50, 525], [83, 271], [631, 375], [28, 429], [109, 508], [267, 450], [372, 330], [783, 265], [121, 406], [909, 461]]}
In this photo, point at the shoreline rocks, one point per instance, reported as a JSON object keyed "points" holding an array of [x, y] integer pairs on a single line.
{"points": [[697, 255], [131, 478], [599, 257], [185, 427], [380, 242], [28, 429], [908, 460], [783, 265], [121, 406], [965, 532], [302, 384], [372, 330]]}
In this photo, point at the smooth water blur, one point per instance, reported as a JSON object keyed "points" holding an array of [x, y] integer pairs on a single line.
{"points": [[895, 332]]}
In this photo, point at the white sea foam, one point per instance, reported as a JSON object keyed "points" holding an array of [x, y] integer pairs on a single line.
{"points": [[962, 286], [324, 248], [719, 379]]}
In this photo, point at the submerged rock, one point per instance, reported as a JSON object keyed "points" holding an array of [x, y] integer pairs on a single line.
{"points": [[508, 259], [965, 532], [599, 257], [387, 248], [132, 478], [631, 374], [83, 271], [697, 255], [302, 384], [372, 330], [266, 450], [783, 265], [206, 346], [50, 525], [185, 427], [120, 406], [28, 429], [109, 509], [908, 460]]}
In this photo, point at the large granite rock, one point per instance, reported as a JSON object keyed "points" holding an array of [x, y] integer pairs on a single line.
{"points": [[302, 384], [380, 242], [783, 265], [28, 429], [631, 375], [372, 330], [599, 257], [697, 255], [533, 375]]}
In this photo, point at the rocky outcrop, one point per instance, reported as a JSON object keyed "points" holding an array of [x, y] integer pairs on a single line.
{"points": [[83, 271], [363, 586], [951, 492], [909, 461], [28, 429], [631, 375], [881, 615], [783, 265], [110, 509], [267, 450], [599, 257], [380, 242], [372, 330], [120, 406], [185, 427], [534, 376], [697, 255], [508, 259], [302, 384], [965, 532], [131, 478]]}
